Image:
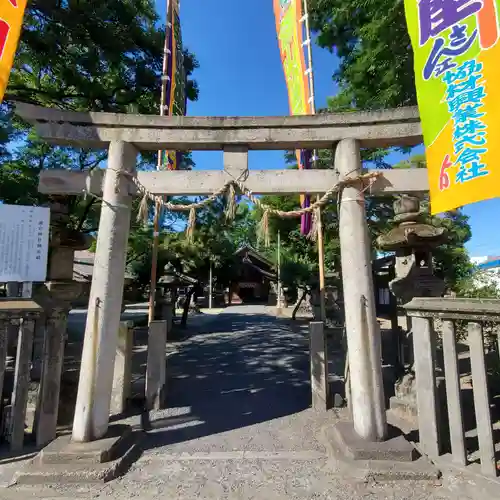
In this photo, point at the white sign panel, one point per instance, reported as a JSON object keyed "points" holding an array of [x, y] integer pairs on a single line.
{"points": [[24, 243]]}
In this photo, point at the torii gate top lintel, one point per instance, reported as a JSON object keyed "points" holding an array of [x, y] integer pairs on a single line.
{"points": [[395, 127], [235, 136]]}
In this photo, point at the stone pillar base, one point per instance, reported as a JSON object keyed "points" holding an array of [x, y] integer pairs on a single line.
{"points": [[395, 448], [64, 460], [404, 407], [393, 459]]}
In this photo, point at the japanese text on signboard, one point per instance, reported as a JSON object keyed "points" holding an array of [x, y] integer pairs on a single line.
{"points": [[24, 236]]}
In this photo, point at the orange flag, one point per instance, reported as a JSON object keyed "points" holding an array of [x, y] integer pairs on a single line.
{"points": [[11, 21]]}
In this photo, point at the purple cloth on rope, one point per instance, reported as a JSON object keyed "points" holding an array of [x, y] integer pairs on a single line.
{"points": [[306, 219]]}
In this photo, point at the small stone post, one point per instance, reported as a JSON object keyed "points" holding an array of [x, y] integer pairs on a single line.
{"points": [[106, 295], [319, 366], [156, 376], [13, 290], [363, 335], [36, 366], [122, 379]]}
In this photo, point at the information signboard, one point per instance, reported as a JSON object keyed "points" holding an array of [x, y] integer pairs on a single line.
{"points": [[24, 243]]}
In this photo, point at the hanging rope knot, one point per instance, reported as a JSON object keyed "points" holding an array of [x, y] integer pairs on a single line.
{"points": [[191, 224], [315, 226], [143, 213], [231, 202], [263, 229]]}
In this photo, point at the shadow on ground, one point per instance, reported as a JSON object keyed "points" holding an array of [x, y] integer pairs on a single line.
{"points": [[240, 370]]}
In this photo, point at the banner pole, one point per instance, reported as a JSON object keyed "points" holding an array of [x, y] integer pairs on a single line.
{"points": [[321, 244], [157, 214]]}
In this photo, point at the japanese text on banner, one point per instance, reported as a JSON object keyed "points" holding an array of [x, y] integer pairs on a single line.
{"points": [[457, 74], [11, 20]]}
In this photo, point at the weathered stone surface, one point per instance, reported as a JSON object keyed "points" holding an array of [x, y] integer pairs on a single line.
{"points": [[21, 384], [105, 302], [454, 308], [64, 461], [366, 396], [122, 378], [63, 450], [156, 377], [320, 388], [381, 128], [53, 181], [33, 114], [55, 296]]}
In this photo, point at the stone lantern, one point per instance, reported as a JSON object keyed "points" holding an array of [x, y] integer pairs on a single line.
{"points": [[165, 295], [412, 240]]}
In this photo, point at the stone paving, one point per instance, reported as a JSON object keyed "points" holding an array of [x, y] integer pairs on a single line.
{"points": [[239, 426]]}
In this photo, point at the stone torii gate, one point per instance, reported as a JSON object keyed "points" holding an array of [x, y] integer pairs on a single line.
{"points": [[127, 135]]}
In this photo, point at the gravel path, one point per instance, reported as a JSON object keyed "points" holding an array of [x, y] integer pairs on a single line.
{"points": [[239, 426]]}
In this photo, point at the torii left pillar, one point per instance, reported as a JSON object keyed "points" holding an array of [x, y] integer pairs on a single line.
{"points": [[103, 318]]}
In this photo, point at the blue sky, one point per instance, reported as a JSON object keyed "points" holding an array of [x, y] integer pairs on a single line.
{"points": [[240, 74]]}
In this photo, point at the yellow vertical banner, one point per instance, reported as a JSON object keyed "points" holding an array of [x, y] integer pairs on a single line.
{"points": [[288, 15], [11, 21], [457, 75]]}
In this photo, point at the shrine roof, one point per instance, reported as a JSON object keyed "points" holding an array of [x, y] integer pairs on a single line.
{"points": [[247, 250]]}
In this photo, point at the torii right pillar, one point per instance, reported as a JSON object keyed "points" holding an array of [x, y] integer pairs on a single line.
{"points": [[363, 335], [364, 437]]}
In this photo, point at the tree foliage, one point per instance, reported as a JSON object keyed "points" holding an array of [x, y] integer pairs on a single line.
{"points": [[372, 42], [215, 242], [375, 71], [80, 56], [92, 56]]}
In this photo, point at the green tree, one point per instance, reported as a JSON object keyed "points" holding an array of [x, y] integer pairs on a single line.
{"points": [[372, 43], [215, 242], [92, 56], [375, 71], [81, 56]]}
